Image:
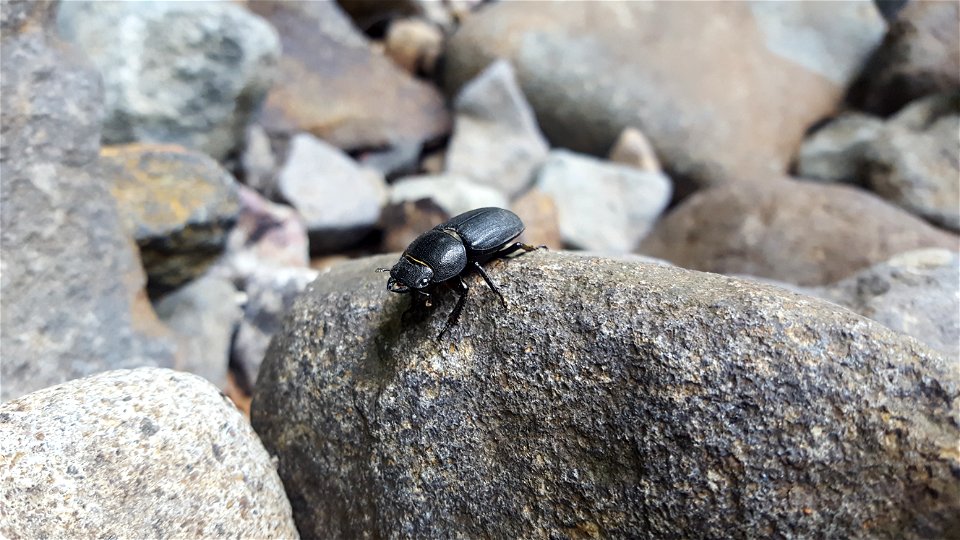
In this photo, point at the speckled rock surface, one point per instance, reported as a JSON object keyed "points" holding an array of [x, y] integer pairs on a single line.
{"points": [[133, 454], [611, 399], [178, 204], [917, 293], [797, 232], [190, 73], [72, 289]]}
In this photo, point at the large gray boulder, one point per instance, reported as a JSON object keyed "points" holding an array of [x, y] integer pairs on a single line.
{"points": [[133, 454], [72, 288], [739, 82], [610, 398], [191, 73]]}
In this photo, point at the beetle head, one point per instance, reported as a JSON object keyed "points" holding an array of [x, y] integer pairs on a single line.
{"points": [[407, 275]]}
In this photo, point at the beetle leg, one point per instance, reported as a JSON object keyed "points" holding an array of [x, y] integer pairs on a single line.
{"points": [[506, 252], [486, 278], [455, 314]]}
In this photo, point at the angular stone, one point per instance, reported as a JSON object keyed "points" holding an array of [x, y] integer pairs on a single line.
{"points": [[601, 205], [797, 232], [836, 152], [919, 56], [339, 200], [609, 398], [269, 296], [916, 293], [72, 288], [453, 193], [332, 85], [725, 91], [178, 204], [267, 235], [190, 73], [918, 167], [203, 315], [496, 140], [404, 221], [134, 453]]}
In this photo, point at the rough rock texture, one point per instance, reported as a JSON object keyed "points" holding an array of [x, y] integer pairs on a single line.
{"points": [[340, 201], [72, 292], [609, 399], [602, 205], [178, 204], [455, 194], [738, 81], [797, 232], [835, 152], [269, 296], [203, 314], [915, 161], [917, 293], [133, 454], [267, 235], [919, 56], [316, 91], [191, 73], [496, 140]]}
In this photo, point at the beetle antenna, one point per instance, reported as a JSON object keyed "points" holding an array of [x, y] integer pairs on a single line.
{"points": [[383, 269]]}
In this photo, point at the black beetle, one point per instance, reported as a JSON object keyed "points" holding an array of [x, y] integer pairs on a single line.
{"points": [[451, 249]]}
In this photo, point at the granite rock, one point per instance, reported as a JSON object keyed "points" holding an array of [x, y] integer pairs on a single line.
{"points": [[602, 205], [609, 398], [134, 453], [496, 140], [72, 288], [190, 73], [797, 232], [178, 204], [738, 82]]}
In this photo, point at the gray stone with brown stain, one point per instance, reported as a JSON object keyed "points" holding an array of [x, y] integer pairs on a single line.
{"points": [[609, 398], [136, 453]]}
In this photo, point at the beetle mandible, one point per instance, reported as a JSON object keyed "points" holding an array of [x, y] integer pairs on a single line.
{"points": [[449, 250]]}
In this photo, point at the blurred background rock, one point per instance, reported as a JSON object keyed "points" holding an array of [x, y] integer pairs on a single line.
{"points": [[206, 161]]}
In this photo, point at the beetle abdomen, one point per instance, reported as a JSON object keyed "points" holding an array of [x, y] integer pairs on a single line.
{"points": [[484, 230]]}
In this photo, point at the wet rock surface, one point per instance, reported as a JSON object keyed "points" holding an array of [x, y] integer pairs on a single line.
{"points": [[610, 398], [191, 73], [797, 232], [178, 204], [580, 67], [69, 270], [130, 453]]}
